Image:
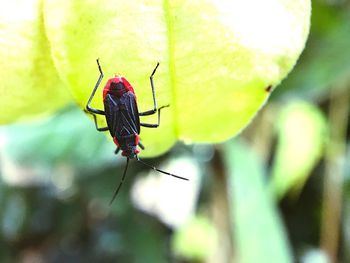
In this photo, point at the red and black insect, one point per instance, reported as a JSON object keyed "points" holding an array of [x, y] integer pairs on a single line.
{"points": [[122, 116]]}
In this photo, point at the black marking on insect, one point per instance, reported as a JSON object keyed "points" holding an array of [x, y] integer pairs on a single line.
{"points": [[268, 88], [123, 118]]}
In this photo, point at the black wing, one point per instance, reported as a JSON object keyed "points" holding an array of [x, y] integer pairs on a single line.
{"points": [[122, 114]]}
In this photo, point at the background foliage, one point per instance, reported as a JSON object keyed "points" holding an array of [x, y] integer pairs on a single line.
{"points": [[279, 192]]}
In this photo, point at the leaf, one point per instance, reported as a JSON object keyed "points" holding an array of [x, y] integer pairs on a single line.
{"points": [[257, 228], [66, 138], [315, 71], [216, 57], [196, 239], [29, 81], [301, 129]]}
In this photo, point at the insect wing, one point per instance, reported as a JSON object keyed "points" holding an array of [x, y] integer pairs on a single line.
{"points": [[122, 115], [132, 112]]}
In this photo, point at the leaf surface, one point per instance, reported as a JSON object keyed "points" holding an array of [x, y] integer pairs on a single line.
{"points": [[217, 59]]}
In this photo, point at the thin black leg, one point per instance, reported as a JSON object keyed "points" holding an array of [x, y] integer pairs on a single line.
{"points": [[88, 107], [150, 125], [117, 150], [121, 182], [154, 110], [96, 125], [158, 170], [141, 146]]}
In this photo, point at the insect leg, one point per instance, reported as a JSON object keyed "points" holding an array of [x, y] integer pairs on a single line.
{"points": [[150, 125], [121, 182], [95, 120], [117, 150], [141, 145], [154, 110], [158, 170], [88, 107]]}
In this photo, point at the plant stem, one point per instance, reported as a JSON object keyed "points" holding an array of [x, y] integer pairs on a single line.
{"points": [[334, 172]]}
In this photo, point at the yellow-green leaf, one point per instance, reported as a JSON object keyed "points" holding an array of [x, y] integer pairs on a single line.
{"points": [[29, 84], [301, 133], [196, 239], [216, 57]]}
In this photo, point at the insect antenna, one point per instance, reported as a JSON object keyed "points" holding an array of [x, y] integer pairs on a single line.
{"points": [[121, 182], [158, 170]]}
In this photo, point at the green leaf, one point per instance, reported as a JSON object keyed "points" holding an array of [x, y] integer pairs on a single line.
{"points": [[196, 239], [67, 138], [301, 129], [216, 57], [326, 59], [257, 228], [29, 81]]}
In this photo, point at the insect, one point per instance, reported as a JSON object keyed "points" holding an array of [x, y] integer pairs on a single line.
{"points": [[122, 116]]}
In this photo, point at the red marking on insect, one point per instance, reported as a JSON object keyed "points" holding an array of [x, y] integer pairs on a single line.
{"points": [[137, 139], [115, 140], [117, 86]]}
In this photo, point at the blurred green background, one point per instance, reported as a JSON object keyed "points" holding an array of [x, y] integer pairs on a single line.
{"points": [[278, 192]]}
